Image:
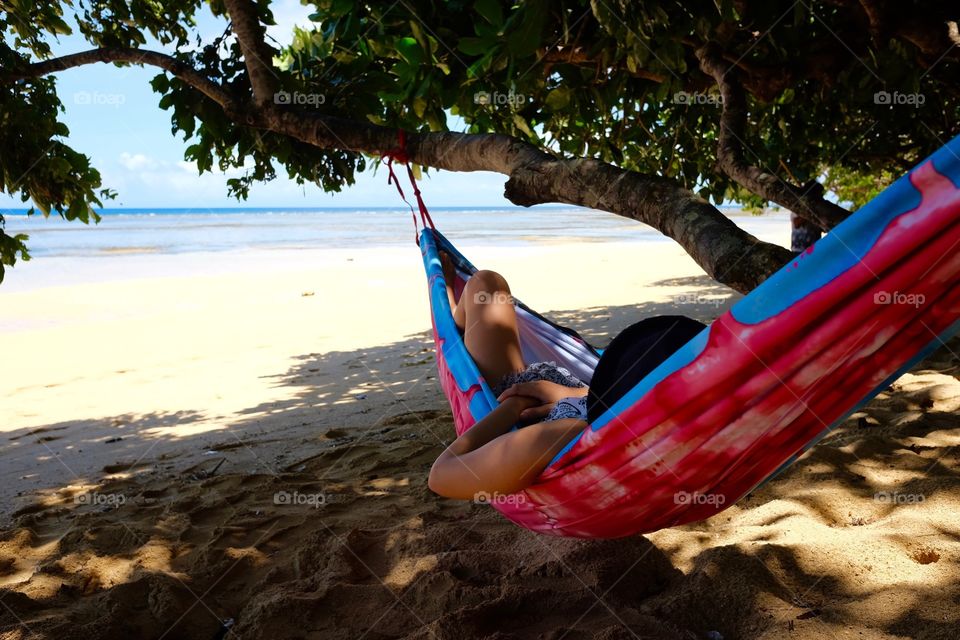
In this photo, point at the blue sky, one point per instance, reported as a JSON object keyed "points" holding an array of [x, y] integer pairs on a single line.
{"points": [[113, 117]]}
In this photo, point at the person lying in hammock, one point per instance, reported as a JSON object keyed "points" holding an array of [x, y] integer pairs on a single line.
{"points": [[550, 404]]}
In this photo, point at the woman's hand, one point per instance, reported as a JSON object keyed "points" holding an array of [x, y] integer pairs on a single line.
{"points": [[542, 395], [519, 405]]}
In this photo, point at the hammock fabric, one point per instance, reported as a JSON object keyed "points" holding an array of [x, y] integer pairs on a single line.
{"points": [[749, 394]]}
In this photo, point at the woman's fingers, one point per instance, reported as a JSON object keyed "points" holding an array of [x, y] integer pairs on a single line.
{"points": [[511, 391], [536, 413], [521, 389], [543, 389]]}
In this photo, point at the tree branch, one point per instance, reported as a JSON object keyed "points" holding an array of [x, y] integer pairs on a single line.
{"points": [[176, 67], [257, 54], [806, 201], [933, 32]]}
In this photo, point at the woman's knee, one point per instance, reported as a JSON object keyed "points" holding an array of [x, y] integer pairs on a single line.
{"points": [[487, 286], [489, 280]]}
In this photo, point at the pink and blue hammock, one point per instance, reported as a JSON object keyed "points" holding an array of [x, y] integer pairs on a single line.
{"points": [[747, 396]]}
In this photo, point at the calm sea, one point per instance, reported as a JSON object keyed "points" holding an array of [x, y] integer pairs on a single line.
{"points": [[166, 231]]}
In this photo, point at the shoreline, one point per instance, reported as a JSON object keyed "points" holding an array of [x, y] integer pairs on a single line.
{"points": [[69, 253]]}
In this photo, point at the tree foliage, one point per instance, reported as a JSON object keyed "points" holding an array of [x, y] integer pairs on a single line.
{"points": [[619, 80], [847, 92]]}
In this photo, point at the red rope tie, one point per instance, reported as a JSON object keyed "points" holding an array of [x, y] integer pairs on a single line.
{"points": [[399, 154], [424, 214]]}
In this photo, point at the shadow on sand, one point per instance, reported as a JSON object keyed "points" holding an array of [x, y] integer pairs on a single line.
{"points": [[287, 523]]}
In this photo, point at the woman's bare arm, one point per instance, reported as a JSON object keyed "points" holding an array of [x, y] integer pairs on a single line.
{"points": [[490, 458], [495, 423]]}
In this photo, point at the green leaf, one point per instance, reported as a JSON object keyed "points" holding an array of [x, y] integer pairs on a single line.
{"points": [[418, 34], [58, 26], [342, 7], [475, 69], [521, 124], [160, 83], [473, 46], [525, 40], [490, 11], [409, 49], [404, 72], [419, 106], [559, 98]]}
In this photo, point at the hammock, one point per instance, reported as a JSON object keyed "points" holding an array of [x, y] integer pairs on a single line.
{"points": [[748, 395]]}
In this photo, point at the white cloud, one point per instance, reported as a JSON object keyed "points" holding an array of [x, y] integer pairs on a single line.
{"points": [[142, 180], [136, 161], [144, 177]]}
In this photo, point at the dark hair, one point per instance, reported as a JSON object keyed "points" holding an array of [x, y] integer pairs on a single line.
{"points": [[634, 353]]}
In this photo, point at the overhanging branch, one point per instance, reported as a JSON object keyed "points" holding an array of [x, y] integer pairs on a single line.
{"points": [[806, 201], [176, 67]]}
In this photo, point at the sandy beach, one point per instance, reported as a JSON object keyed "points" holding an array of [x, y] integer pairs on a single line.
{"points": [[222, 411], [237, 447]]}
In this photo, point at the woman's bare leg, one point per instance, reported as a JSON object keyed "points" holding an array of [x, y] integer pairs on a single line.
{"points": [[490, 329], [449, 275]]}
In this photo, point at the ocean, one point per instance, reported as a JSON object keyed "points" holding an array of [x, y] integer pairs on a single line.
{"points": [[175, 231], [148, 243]]}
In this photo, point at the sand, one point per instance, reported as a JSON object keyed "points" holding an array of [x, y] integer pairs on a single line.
{"points": [[242, 453]]}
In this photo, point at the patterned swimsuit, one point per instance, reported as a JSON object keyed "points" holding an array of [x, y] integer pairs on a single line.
{"points": [[571, 407]]}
